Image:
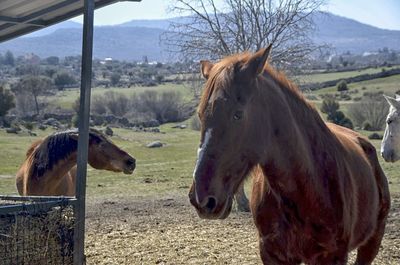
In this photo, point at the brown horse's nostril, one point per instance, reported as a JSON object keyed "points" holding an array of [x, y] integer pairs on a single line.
{"points": [[211, 204], [131, 162]]}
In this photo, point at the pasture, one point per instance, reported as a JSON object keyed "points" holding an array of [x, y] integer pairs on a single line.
{"points": [[322, 77], [66, 98], [146, 218]]}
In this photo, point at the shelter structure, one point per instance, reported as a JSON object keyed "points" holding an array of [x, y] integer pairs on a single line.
{"points": [[19, 17]]}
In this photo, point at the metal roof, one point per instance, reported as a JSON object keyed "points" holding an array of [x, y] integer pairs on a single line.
{"points": [[19, 17]]}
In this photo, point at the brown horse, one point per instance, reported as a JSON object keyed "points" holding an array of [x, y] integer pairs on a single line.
{"points": [[50, 164], [318, 190]]}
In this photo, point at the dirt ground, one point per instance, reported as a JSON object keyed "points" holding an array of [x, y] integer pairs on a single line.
{"points": [[168, 231]]}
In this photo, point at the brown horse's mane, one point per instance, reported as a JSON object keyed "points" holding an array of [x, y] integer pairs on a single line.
{"points": [[32, 147], [45, 154], [223, 72]]}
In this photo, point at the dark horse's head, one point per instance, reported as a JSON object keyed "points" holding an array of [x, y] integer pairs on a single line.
{"points": [[224, 156]]}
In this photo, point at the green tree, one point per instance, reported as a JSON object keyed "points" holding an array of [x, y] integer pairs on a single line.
{"points": [[339, 118], [331, 107], [64, 79], [53, 60], [342, 85], [6, 101], [114, 78]]}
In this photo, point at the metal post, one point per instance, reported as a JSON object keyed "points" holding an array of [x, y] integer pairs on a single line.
{"points": [[84, 111]]}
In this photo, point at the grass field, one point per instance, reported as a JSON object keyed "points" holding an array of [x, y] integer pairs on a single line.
{"points": [[322, 77], [162, 170], [159, 171], [388, 85], [66, 98], [168, 167]]}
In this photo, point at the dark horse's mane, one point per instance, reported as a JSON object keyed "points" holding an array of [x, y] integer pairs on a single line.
{"points": [[56, 147]]}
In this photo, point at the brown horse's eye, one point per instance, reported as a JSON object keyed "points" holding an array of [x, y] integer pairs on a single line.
{"points": [[238, 115], [389, 121]]}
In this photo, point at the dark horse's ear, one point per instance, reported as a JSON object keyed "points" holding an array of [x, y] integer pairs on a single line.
{"points": [[206, 67], [255, 65]]}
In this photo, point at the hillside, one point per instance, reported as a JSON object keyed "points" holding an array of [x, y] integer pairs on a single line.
{"points": [[124, 43], [346, 34], [137, 38]]}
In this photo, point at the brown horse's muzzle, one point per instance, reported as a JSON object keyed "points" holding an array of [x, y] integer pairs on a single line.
{"points": [[210, 207], [130, 165]]}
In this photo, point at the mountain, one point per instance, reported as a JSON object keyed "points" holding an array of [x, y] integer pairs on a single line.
{"points": [[138, 38], [346, 34], [46, 31], [147, 23], [123, 43]]}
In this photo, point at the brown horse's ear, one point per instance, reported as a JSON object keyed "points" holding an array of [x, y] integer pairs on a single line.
{"points": [[206, 67], [256, 63], [74, 136]]}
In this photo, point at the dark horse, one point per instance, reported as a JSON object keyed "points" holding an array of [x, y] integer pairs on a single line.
{"points": [[50, 164], [318, 190]]}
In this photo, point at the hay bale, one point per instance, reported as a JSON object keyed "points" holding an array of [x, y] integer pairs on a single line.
{"points": [[43, 237]]}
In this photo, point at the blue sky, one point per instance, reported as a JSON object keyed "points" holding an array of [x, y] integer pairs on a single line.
{"points": [[379, 13]]}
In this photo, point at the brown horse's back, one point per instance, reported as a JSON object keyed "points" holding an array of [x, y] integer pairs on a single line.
{"points": [[369, 183], [362, 185]]}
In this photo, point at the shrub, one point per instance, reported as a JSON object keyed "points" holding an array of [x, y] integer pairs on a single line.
{"points": [[29, 125], [115, 78], [339, 118], [116, 103], [75, 121], [165, 106], [149, 105], [64, 79], [375, 136], [329, 105], [195, 123], [370, 112], [342, 85], [367, 126]]}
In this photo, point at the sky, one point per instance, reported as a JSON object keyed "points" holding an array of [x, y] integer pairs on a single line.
{"points": [[379, 13]]}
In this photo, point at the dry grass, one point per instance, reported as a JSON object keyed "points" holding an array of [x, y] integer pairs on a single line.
{"points": [[168, 231]]}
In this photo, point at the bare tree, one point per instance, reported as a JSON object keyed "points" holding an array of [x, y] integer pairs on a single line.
{"points": [[211, 31], [33, 87], [7, 100]]}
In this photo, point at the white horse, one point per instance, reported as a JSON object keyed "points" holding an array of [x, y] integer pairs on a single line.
{"points": [[390, 147]]}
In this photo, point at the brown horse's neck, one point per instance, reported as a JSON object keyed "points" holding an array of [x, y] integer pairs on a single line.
{"points": [[296, 137]]}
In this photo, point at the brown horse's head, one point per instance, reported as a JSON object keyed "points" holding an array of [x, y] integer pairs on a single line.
{"points": [[224, 157], [103, 154]]}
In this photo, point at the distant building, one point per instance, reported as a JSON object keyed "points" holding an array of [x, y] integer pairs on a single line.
{"points": [[106, 60]]}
